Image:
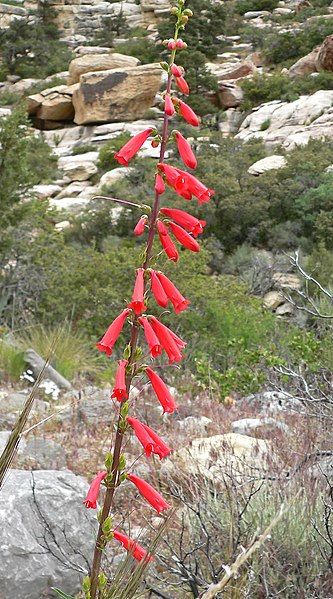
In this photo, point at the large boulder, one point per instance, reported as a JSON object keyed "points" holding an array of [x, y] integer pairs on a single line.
{"points": [[325, 55], [88, 63], [47, 536], [305, 65], [80, 167], [290, 123], [230, 95], [219, 456], [267, 164], [53, 104], [116, 94]]}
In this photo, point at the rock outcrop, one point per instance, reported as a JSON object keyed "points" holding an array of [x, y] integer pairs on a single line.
{"points": [[291, 124], [116, 94], [267, 164], [53, 104], [46, 535], [325, 55], [88, 63]]}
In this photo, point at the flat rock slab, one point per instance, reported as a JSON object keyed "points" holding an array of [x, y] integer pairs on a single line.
{"points": [[47, 535]]}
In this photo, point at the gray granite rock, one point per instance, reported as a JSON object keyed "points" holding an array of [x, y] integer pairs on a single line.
{"points": [[46, 533]]}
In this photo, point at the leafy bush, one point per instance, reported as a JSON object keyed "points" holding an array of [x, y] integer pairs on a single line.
{"points": [[143, 49], [25, 160], [202, 33], [291, 45], [34, 50], [200, 80], [243, 6], [83, 149], [277, 86], [9, 98], [106, 160]]}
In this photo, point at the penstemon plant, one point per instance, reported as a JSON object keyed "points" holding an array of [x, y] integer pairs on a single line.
{"points": [[166, 223]]}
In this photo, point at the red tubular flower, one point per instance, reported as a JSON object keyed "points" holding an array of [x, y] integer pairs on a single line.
{"points": [[168, 342], [162, 392], [166, 242], [138, 552], [149, 493], [176, 70], [186, 220], [92, 495], [178, 301], [188, 114], [158, 291], [185, 151], [169, 108], [184, 238], [137, 304], [183, 86], [119, 390], [159, 185], [140, 226], [151, 338], [109, 339], [198, 189], [129, 150], [149, 440], [173, 178]]}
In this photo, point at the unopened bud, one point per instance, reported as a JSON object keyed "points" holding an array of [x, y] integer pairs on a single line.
{"points": [[174, 10], [171, 44], [187, 12], [181, 44], [184, 19], [165, 65]]}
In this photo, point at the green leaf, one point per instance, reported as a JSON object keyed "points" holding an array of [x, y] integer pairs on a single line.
{"points": [[62, 594]]}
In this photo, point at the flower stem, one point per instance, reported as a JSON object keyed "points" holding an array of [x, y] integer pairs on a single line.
{"points": [[109, 495]]}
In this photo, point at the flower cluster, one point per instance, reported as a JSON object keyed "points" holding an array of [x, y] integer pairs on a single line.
{"points": [[171, 226]]}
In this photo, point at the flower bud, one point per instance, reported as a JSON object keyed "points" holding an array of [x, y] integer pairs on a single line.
{"points": [[181, 44], [102, 581], [174, 10], [184, 19], [86, 583], [171, 44], [188, 12]]}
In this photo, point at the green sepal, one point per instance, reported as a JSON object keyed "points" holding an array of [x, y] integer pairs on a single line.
{"points": [[108, 461], [86, 583], [102, 581], [127, 352], [122, 462], [107, 525]]}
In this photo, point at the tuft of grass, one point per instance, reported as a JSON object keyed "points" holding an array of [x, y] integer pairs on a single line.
{"points": [[12, 362], [72, 354]]}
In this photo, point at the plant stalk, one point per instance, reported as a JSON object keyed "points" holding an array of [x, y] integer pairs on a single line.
{"points": [[109, 495]]}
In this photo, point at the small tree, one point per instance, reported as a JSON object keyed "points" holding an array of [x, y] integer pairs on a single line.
{"points": [[34, 49]]}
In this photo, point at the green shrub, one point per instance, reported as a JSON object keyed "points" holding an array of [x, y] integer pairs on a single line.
{"points": [[83, 149], [106, 160], [9, 98], [34, 51], [277, 86], [143, 49], [200, 80], [202, 31], [25, 160], [243, 6], [289, 46]]}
